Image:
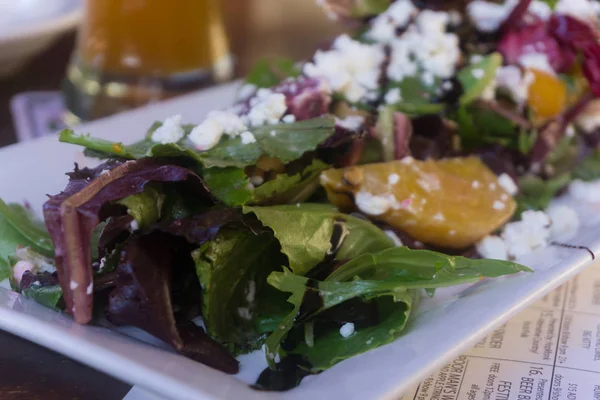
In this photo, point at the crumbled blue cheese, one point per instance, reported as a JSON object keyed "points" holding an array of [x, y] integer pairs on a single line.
{"points": [[425, 46], [584, 10], [385, 26], [514, 82], [508, 184], [351, 122], [371, 204], [492, 247], [247, 137], [267, 108], [217, 123], [478, 73], [349, 67], [169, 132], [73, 285], [393, 179], [499, 205], [289, 119], [585, 191], [487, 16], [206, 135], [89, 289], [393, 96], [565, 221], [538, 61], [134, 226], [439, 217], [347, 329], [530, 233]]}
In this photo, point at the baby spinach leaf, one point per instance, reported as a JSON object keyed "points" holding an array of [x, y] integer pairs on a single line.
{"points": [[49, 296], [417, 97], [230, 185], [232, 270], [477, 77], [270, 72], [305, 230], [290, 189], [330, 347]]}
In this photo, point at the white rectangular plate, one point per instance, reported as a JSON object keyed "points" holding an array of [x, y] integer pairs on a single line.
{"points": [[441, 327]]}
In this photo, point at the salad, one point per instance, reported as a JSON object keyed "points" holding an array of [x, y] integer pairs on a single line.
{"points": [[420, 151]]}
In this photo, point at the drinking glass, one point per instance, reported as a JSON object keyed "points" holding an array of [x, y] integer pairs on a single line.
{"points": [[134, 52]]}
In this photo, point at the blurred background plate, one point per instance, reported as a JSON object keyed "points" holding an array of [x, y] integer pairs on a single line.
{"points": [[29, 26]]}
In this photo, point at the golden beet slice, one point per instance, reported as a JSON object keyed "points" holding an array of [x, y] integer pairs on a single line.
{"points": [[450, 203]]}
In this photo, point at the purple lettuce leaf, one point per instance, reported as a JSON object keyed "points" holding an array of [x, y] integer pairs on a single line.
{"points": [[142, 298], [72, 215]]}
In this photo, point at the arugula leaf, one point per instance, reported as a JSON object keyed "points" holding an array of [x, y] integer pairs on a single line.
{"points": [[589, 168], [536, 193], [473, 84], [389, 275], [288, 142], [270, 72], [304, 232], [144, 207], [230, 287], [49, 296], [18, 228], [478, 126]]}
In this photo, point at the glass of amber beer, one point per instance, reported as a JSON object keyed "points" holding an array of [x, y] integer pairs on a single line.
{"points": [[134, 52]]}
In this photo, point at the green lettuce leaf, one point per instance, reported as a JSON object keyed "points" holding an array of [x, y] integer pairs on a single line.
{"points": [[473, 84], [304, 232], [232, 270], [389, 278], [145, 207], [288, 142], [270, 72]]}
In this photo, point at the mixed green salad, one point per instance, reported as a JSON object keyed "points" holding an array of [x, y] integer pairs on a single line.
{"points": [[305, 221]]}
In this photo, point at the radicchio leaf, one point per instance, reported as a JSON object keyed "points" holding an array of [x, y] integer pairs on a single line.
{"points": [[72, 216], [143, 298]]}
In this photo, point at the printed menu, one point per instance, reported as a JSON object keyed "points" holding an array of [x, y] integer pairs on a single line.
{"points": [[550, 351]]}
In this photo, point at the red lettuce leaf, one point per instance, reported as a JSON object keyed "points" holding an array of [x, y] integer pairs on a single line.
{"points": [[72, 216], [142, 298]]}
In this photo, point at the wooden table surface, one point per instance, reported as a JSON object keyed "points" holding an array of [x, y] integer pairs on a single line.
{"points": [[257, 28]]}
